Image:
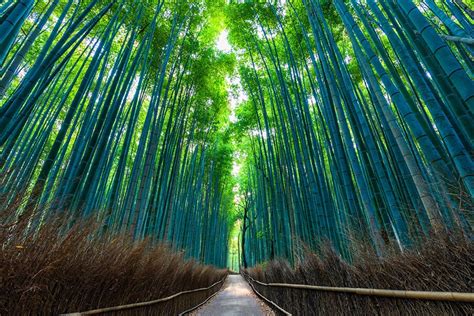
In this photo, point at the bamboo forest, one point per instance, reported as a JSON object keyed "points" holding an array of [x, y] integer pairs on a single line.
{"points": [[236, 157]]}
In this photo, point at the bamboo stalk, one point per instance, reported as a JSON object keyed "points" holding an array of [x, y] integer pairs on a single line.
{"points": [[465, 7], [465, 40]]}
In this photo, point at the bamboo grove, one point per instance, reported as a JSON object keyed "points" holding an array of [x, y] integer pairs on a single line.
{"points": [[354, 121], [360, 115], [112, 110]]}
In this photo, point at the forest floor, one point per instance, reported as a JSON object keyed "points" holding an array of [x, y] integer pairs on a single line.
{"points": [[235, 298]]}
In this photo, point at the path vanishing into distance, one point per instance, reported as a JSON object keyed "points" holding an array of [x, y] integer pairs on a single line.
{"points": [[235, 298], [150, 147]]}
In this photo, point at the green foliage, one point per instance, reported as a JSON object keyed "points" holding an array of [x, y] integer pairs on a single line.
{"points": [[337, 141], [350, 116]]}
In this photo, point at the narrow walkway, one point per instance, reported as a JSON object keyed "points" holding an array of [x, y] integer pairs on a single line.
{"points": [[235, 298]]}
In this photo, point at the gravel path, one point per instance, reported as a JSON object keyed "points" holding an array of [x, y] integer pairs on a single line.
{"points": [[235, 298]]}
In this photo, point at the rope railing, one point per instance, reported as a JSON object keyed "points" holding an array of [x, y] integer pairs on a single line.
{"points": [[199, 305], [406, 294], [143, 304], [276, 307]]}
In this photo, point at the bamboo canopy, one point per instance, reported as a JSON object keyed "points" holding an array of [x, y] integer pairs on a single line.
{"points": [[325, 121]]}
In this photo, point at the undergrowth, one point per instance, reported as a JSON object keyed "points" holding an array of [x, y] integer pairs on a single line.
{"points": [[442, 263], [49, 271]]}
